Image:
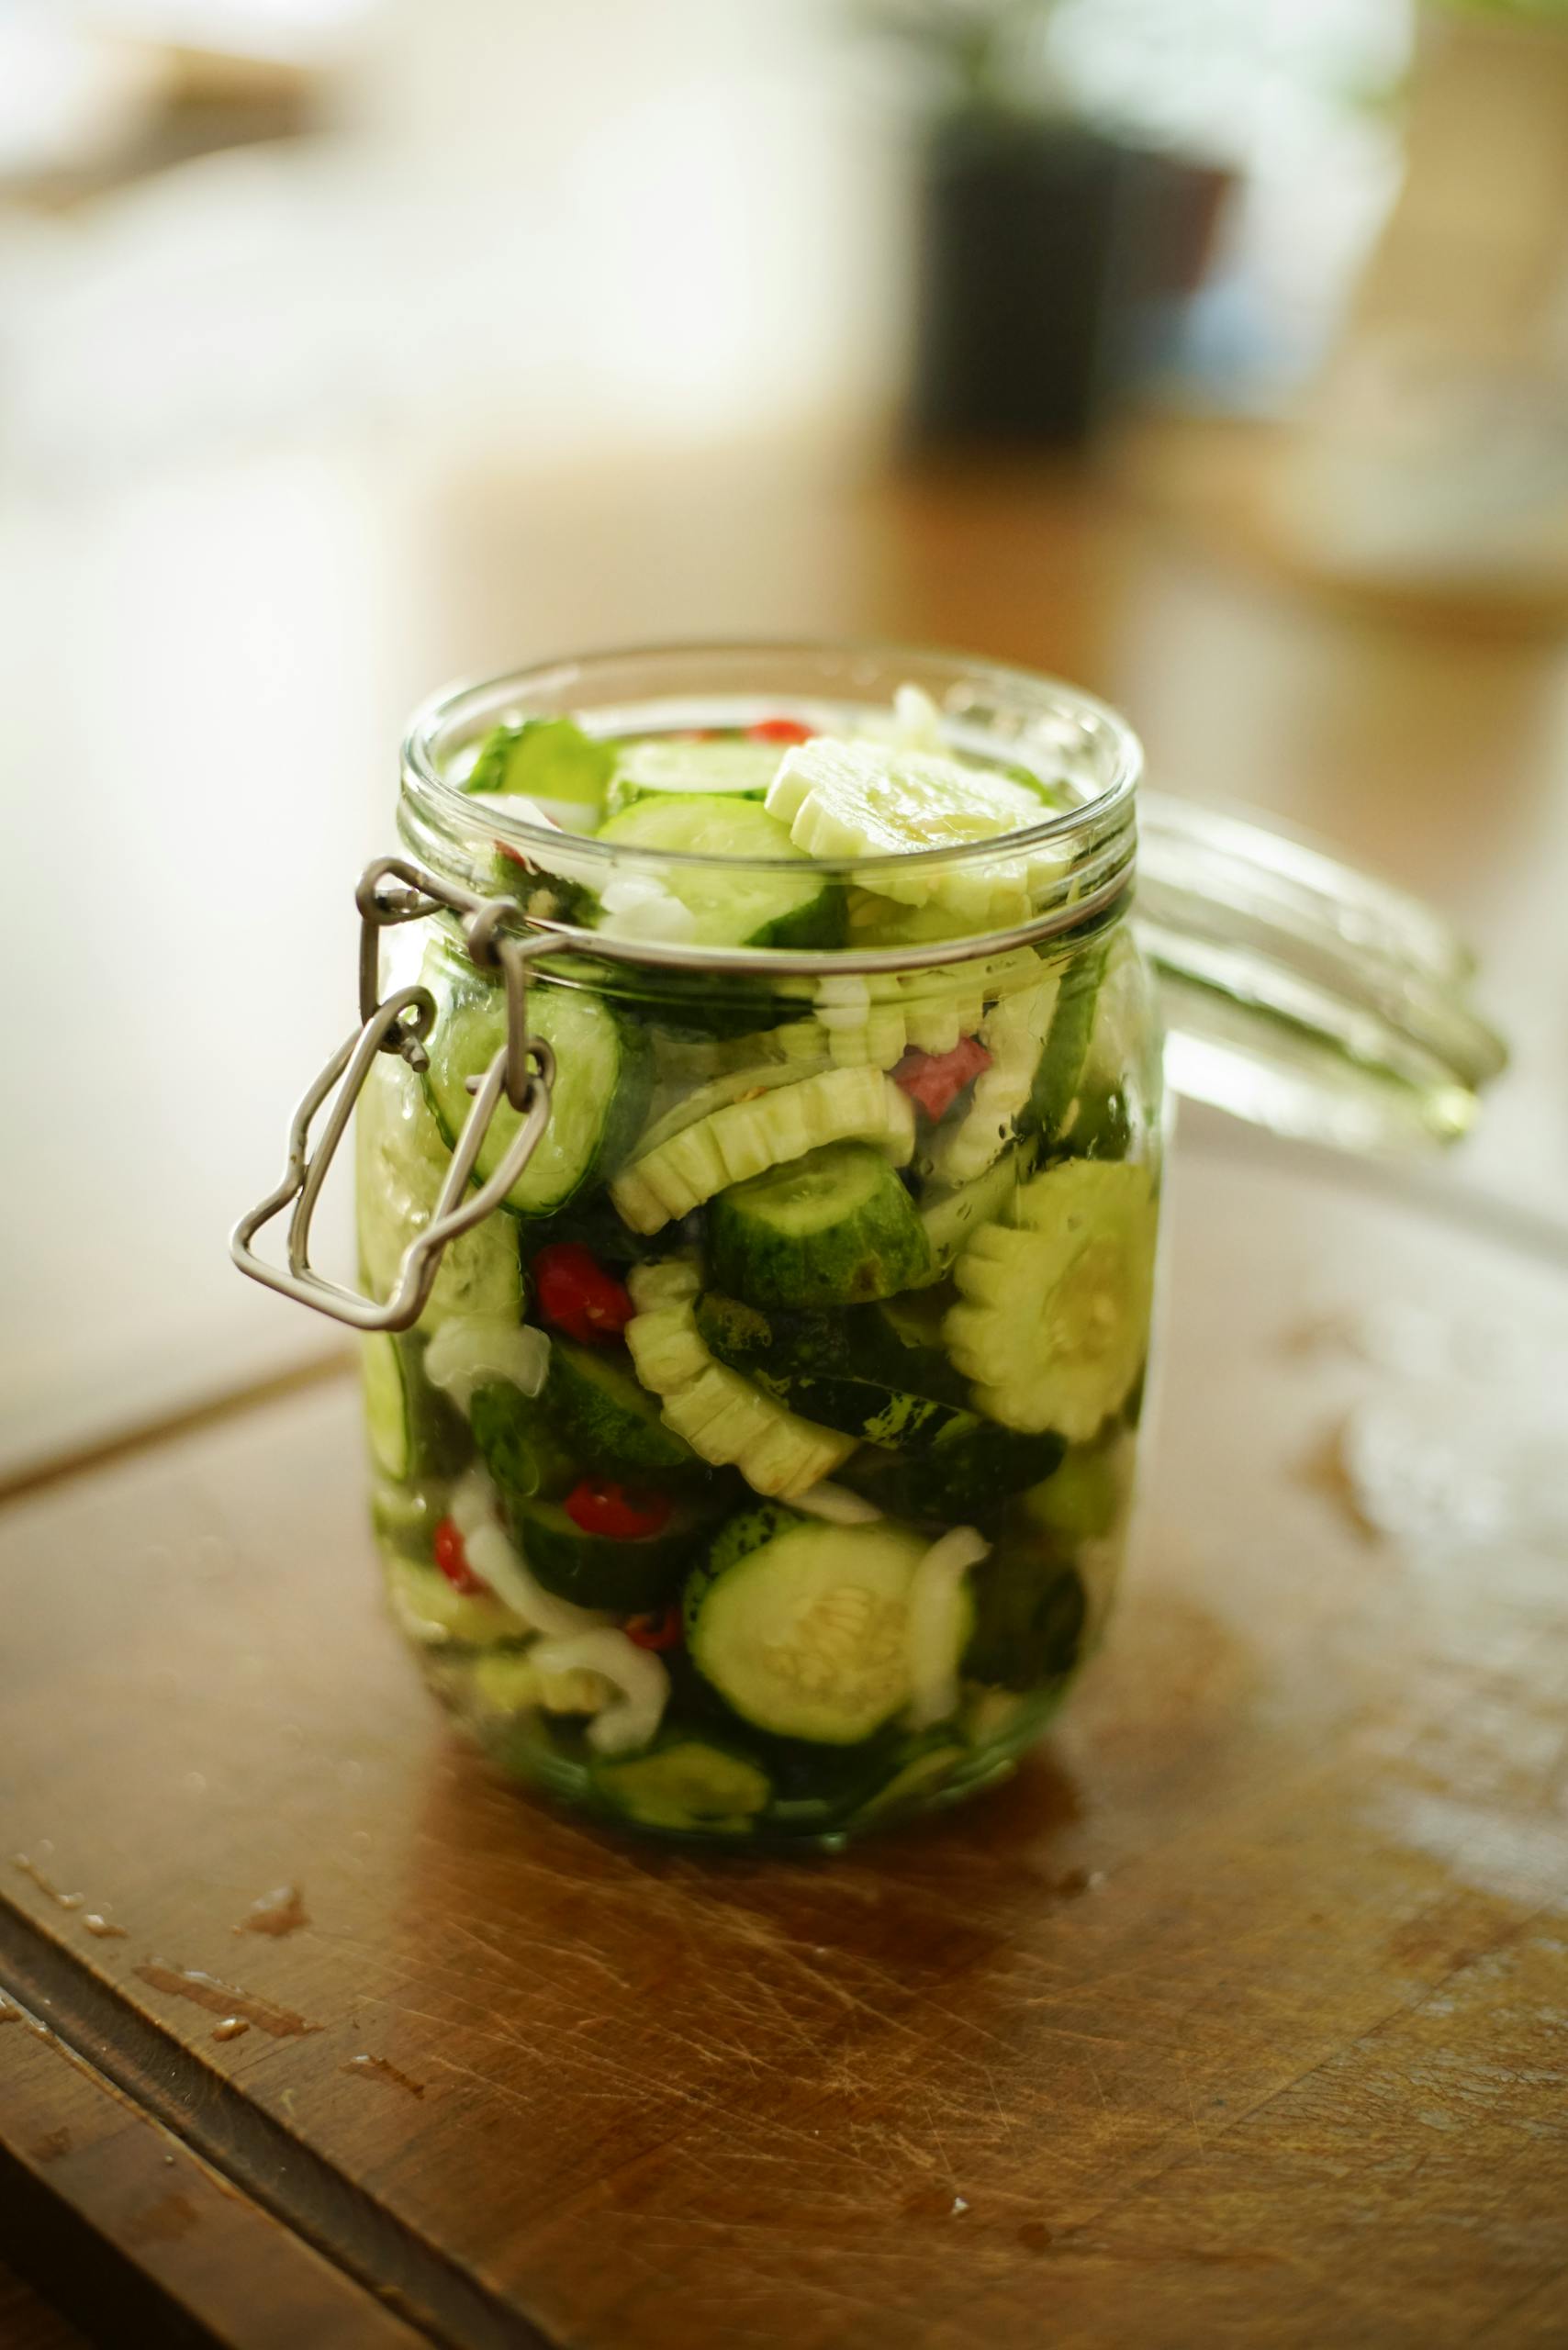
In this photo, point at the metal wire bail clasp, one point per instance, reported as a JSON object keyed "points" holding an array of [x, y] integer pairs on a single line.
{"points": [[523, 1070]]}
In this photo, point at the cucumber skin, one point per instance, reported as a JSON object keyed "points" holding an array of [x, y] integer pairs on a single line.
{"points": [[859, 1342], [1030, 1610], [628, 1103], [625, 1440], [785, 1363], [516, 1443], [439, 1444], [1066, 1047], [631, 1789], [965, 1477], [877, 1250], [818, 921], [627, 1578]]}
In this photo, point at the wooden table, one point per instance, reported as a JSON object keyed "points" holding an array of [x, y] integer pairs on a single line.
{"points": [[1239, 2017]]}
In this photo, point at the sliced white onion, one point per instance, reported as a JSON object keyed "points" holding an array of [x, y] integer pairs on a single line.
{"points": [[634, 1717], [495, 1561], [637, 906], [936, 1623], [464, 1356], [836, 1505]]}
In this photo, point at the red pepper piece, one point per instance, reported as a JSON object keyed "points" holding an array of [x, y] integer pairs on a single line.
{"points": [[933, 1080], [657, 1633], [579, 1295], [779, 730], [626, 1513], [453, 1559]]}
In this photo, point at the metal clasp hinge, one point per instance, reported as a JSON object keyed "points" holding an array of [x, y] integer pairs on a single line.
{"points": [[523, 1070]]}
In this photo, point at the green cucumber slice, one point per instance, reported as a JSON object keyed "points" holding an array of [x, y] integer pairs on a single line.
{"points": [[611, 1422], [686, 1784], [784, 1362], [964, 1477], [401, 1161], [952, 1218], [833, 1228], [664, 766], [743, 907], [544, 759], [1052, 1323], [626, 1577], [725, 1418], [803, 1629], [603, 1078], [783, 1122], [517, 1444], [1030, 1612], [912, 1785], [386, 1404], [1119, 1086], [1082, 1499], [1066, 1047], [900, 1339]]}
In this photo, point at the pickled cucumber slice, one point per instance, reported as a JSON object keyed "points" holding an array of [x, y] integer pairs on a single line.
{"points": [[916, 1782], [815, 1375], [625, 1577], [720, 1415], [952, 1218], [401, 1161], [603, 1078], [813, 1365], [803, 1629], [664, 764], [687, 1783], [1052, 1326], [853, 799], [733, 1144], [969, 1473], [1029, 1620], [790, 905], [611, 1422], [386, 1404], [517, 1444], [833, 1228], [545, 758], [1014, 1034]]}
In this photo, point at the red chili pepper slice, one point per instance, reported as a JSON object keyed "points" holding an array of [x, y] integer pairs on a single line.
{"points": [[579, 1295], [453, 1559], [626, 1513], [657, 1633], [779, 730], [933, 1080]]}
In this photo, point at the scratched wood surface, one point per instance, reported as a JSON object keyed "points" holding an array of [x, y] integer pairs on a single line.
{"points": [[1239, 2017]]}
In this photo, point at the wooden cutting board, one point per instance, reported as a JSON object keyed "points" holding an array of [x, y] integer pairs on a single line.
{"points": [[1240, 2015]]}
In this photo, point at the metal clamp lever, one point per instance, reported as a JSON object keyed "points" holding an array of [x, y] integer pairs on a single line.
{"points": [[522, 1069]]}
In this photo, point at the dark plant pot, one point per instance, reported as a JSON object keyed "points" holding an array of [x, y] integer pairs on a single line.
{"points": [[1019, 272]]}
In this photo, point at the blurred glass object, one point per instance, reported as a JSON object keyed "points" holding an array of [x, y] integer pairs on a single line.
{"points": [[1434, 460]]}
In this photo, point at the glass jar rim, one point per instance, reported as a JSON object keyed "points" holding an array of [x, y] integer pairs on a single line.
{"points": [[452, 719]]}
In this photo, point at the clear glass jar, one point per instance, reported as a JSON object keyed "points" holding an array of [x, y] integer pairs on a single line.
{"points": [[760, 1469]]}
